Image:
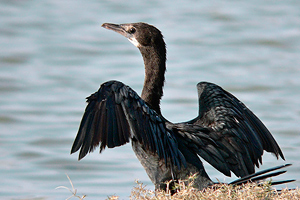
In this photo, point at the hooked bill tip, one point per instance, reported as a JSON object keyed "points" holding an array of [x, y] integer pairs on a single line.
{"points": [[104, 25]]}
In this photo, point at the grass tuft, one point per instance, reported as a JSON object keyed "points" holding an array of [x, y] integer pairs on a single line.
{"points": [[73, 190], [186, 191], [247, 191]]}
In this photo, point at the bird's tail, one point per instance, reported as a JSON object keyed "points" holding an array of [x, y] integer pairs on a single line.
{"points": [[263, 175]]}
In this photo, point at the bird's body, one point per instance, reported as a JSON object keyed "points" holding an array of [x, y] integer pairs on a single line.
{"points": [[225, 133]]}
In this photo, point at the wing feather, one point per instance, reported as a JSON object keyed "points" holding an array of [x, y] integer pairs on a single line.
{"points": [[226, 133], [114, 115]]}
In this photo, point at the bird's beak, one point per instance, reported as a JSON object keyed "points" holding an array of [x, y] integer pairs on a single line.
{"points": [[115, 27], [121, 29]]}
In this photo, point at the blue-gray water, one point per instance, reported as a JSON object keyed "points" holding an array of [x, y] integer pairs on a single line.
{"points": [[54, 53]]}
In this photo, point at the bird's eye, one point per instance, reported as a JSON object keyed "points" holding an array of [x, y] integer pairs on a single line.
{"points": [[131, 30]]}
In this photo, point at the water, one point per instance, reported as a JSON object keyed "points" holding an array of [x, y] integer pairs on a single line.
{"points": [[54, 53]]}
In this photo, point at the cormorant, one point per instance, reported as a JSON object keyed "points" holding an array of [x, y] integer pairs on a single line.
{"points": [[225, 133]]}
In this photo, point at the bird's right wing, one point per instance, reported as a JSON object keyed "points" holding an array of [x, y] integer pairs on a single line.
{"points": [[114, 115]]}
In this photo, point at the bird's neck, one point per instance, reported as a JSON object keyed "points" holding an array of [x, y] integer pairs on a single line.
{"points": [[155, 67]]}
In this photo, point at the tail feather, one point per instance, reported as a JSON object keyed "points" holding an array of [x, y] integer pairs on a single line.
{"points": [[262, 175], [282, 182]]}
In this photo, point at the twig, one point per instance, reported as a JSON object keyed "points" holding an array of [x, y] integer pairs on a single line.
{"points": [[73, 191]]}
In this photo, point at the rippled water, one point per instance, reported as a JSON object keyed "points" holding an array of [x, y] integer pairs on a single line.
{"points": [[54, 53]]}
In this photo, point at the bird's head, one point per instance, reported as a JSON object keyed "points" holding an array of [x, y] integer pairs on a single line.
{"points": [[140, 34]]}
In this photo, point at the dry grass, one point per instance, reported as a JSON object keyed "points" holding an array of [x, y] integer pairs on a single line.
{"points": [[73, 191], [248, 191], [222, 191]]}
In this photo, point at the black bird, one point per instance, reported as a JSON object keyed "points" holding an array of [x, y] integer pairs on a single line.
{"points": [[225, 133]]}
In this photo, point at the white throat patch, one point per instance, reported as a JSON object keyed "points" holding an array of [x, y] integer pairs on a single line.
{"points": [[134, 42]]}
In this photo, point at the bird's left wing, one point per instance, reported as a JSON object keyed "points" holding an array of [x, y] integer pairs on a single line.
{"points": [[114, 115], [226, 133]]}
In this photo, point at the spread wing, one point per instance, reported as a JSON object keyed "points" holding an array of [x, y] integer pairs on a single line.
{"points": [[226, 133], [114, 115]]}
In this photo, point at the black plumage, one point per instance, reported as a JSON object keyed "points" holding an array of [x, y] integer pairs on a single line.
{"points": [[225, 133]]}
